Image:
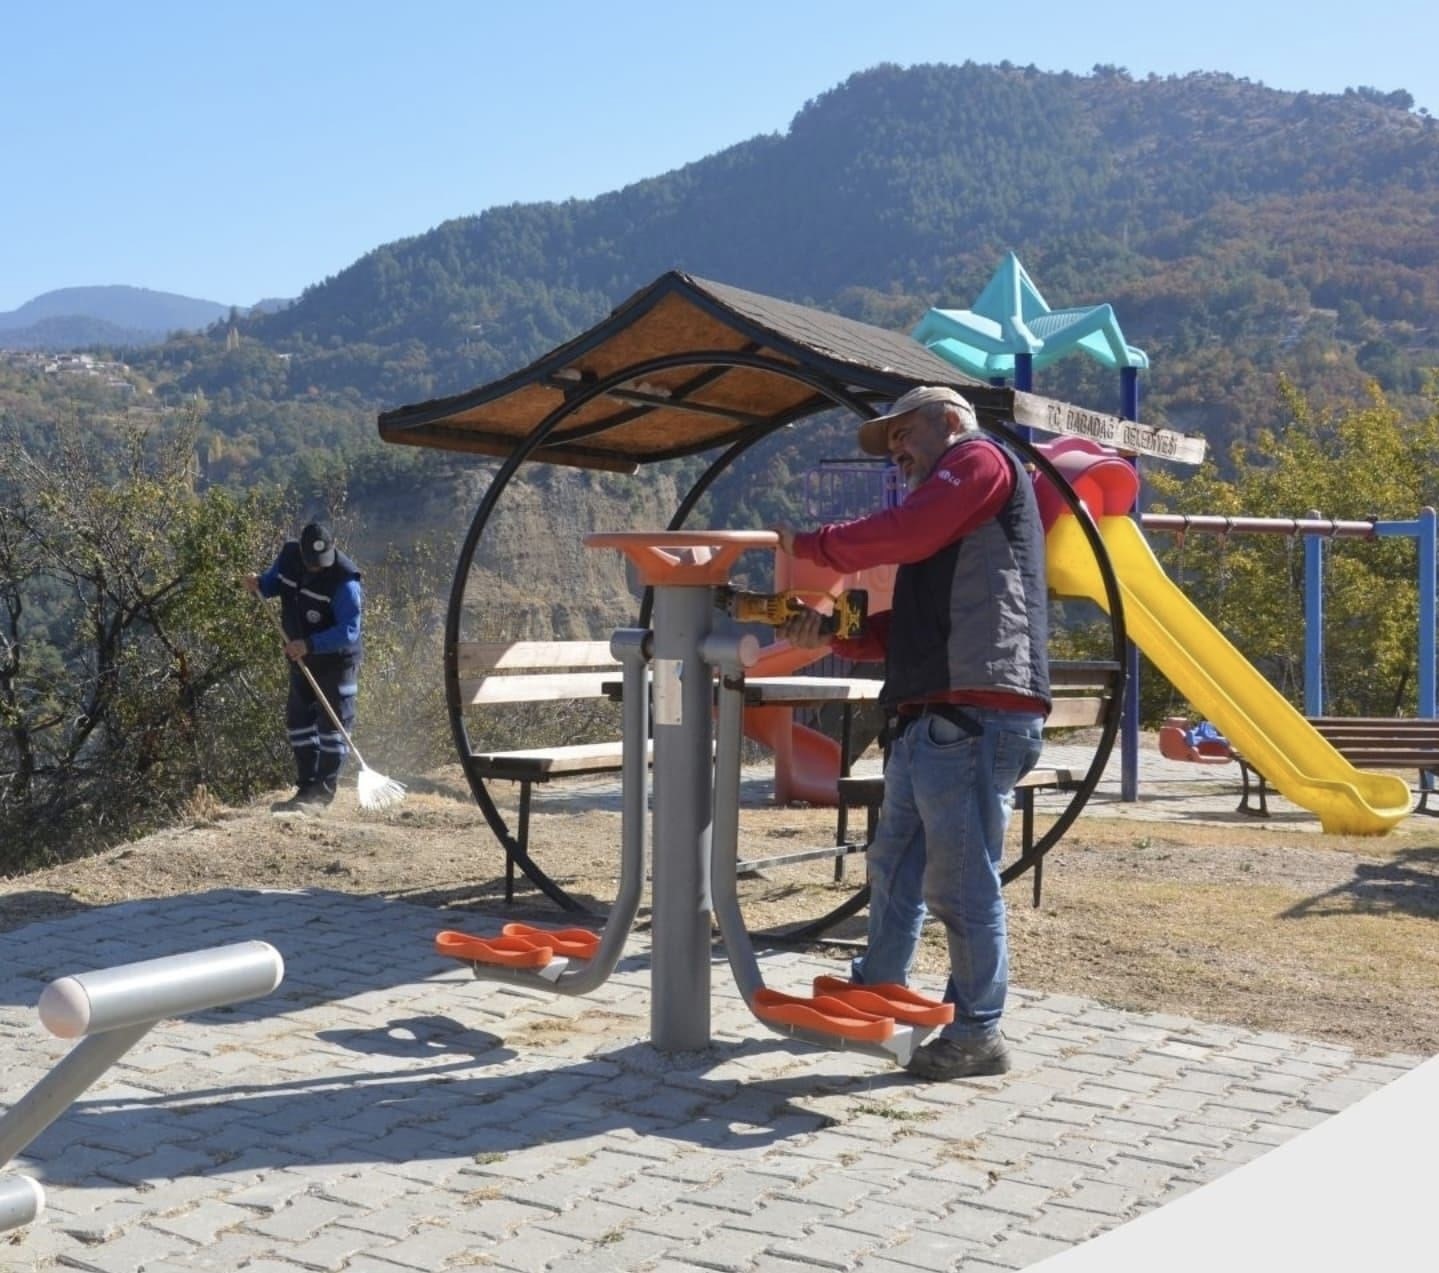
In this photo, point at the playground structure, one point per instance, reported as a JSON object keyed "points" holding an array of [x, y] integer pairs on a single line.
{"points": [[109, 1011]]}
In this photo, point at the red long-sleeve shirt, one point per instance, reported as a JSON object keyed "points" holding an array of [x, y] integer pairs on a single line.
{"points": [[969, 486]]}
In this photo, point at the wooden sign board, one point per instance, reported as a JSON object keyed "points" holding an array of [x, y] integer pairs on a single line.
{"points": [[1066, 419]]}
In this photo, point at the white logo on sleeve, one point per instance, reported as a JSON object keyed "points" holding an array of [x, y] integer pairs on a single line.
{"points": [[312, 616]]}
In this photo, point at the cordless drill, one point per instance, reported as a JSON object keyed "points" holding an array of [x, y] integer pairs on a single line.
{"points": [[774, 608]]}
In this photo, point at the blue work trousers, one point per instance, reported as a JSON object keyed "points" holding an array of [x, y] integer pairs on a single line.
{"points": [[948, 796], [319, 748]]}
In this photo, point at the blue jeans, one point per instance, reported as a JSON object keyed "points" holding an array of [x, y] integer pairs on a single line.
{"points": [[948, 796]]}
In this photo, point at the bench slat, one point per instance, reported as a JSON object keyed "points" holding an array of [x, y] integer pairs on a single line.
{"points": [[528, 689], [868, 789], [475, 658], [541, 763], [1390, 757], [1076, 713], [1399, 742]]}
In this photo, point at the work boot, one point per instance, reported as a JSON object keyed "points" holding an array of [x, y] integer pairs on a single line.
{"points": [[309, 797], [950, 1059], [314, 797], [289, 805]]}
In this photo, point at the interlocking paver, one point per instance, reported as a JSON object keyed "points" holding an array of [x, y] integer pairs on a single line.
{"points": [[389, 1117]]}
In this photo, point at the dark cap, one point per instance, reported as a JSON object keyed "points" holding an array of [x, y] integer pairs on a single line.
{"points": [[317, 546]]}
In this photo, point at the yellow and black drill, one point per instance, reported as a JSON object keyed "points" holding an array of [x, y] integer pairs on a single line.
{"points": [[774, 608]]}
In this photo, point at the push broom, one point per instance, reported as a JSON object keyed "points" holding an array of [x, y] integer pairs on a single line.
{"points": [[375, 791]]}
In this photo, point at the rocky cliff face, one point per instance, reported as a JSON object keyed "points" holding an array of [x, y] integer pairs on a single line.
{"points": [[533, 577]]}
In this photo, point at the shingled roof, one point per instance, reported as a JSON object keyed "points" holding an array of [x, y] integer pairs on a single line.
{"points": [[711, 365]]}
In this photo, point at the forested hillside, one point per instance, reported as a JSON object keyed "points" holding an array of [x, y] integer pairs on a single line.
{"points": [[1241, 232]]}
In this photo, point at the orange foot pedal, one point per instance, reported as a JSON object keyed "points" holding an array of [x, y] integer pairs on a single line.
{"points": [[572, 943], [519, 946], [503, 952], [887, 999], [823, 1015]]}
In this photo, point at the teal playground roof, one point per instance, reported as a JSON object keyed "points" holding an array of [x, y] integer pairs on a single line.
{"points": [[1011, 317]]}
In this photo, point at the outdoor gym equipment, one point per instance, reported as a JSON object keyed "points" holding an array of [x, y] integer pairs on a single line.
{"points": [[696, 830], [109, 1011]]}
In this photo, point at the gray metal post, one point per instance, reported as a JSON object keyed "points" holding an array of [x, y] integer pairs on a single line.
{"points": [[55, 1093], [731, 655], [21, 1200], [683, 798]]}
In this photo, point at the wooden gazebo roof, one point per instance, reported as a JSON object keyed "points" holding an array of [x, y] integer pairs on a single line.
{"points": [[695, 405], [687, 365]]}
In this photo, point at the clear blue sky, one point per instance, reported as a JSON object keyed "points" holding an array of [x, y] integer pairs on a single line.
{"points": [[234, 151]]}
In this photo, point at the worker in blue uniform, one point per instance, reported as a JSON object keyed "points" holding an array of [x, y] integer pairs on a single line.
{"points": [[320, 605]]}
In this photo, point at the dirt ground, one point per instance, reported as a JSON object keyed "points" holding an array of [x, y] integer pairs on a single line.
{"points": [[1246, 923]]}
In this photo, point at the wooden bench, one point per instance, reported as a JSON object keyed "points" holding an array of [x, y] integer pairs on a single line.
{"points": [[516, 672], [1366, 742]]}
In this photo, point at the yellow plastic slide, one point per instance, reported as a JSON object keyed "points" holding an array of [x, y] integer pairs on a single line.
{"points": [[1221, 683]]}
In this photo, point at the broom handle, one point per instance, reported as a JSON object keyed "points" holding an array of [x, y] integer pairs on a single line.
{"points": [[314, 685]]}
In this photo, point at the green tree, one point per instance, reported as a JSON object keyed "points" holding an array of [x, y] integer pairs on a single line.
{"points": [[128, 658], [1351, 464]]}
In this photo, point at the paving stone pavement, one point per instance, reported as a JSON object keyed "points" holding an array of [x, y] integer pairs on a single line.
{"points": [[383, 1112]]}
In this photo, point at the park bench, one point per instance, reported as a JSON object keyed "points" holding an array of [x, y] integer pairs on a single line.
{"points": [[520, 672], [1366, 742]]}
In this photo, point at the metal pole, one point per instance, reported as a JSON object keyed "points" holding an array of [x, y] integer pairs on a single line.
{"points": [[1422, 531], [1330, 529], [146, 992], [683, 799], [731, 655], [21, 1200], [1129, 739], [1314, 688], [54, 1093], [1024, 383], [1428, 560]]}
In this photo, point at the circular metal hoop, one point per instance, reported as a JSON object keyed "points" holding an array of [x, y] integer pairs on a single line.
{"points": [[517, 855]]}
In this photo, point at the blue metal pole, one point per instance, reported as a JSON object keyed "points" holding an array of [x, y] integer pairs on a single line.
{"points": [[1024, 383], [1421, 530], [1428, 562], [1314, 688], [1129, 734]]}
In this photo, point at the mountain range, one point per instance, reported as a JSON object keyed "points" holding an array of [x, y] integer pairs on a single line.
{"points": [[76, 317]]}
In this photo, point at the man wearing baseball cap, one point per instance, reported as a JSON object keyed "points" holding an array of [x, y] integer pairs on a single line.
{"points": [[967, 689], [320, 604]]}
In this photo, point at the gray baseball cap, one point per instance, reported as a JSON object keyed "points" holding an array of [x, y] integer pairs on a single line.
{"points": [[874, 434]]}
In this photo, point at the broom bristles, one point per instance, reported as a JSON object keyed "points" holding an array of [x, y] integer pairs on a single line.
{"points": [[377, 791]]}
